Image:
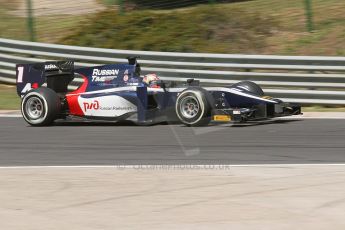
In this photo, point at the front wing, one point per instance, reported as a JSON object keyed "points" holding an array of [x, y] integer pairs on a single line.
{"points": [[257, 112]]}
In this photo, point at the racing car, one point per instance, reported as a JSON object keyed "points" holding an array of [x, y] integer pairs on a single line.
{"points": [[118, 92]]}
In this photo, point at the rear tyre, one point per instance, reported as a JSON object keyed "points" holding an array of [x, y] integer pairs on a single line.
{"points": [[193, 107], [40, 107]]}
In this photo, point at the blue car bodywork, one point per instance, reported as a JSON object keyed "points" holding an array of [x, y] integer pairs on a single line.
{"points": [[117, 92]]}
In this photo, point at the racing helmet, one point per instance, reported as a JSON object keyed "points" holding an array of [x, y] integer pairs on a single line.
{"points": [[151, 80]]}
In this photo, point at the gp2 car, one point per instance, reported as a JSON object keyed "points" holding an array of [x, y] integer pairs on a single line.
{"points": [[117, 92]]}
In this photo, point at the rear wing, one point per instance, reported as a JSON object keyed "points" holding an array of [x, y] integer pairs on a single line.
{"points": [[34, 75], [57, 75]]}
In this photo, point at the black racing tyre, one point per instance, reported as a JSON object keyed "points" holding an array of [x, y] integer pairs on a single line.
{"points": [[40, 106], [194, 107], [249, 86]]}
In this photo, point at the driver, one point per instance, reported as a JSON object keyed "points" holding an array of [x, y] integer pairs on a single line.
{"points": [[151, 80]]}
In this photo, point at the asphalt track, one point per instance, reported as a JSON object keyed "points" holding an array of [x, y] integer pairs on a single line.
{"points": [[311, 141]]}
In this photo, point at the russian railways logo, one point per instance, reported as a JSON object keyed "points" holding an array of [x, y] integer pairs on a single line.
{"points": [[95, 105], [104, 75], [91, 105]]}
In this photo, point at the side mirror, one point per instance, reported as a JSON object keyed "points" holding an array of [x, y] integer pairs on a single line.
{"points": [[192, 82]]}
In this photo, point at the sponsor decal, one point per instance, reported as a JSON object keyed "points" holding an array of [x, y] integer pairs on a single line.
{"points": [[26, 88], [95, 105], [221, 118], [133, 83], [50, 67], [236, 112], [91, 105], [106, 106], [123, 108], [104, 75]]}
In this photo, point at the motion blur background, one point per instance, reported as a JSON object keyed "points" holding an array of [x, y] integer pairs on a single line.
{"points": [[275, 27], [288, 27]]}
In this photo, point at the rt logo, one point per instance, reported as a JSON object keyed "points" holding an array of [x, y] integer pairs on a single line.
{"points": [[92, 105]]}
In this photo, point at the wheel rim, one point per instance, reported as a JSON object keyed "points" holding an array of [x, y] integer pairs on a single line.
{"points": [[34, 108], [189, 107]]}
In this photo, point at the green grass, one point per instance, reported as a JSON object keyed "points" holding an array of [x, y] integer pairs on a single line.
{"points": [[47, 28], [252, 27], [258, 26], [320, 108], [9, 100], [11, 26], [202, 29]]}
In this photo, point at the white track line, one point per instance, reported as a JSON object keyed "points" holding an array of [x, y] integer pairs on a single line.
{"points": [[162, 167], [303, 118], [11, 115]]}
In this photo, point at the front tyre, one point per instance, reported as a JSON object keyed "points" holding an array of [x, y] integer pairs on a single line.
{"points": [[193, 107], [40, 106], [250, 87]]}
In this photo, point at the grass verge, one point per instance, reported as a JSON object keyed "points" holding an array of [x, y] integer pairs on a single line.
{"points": [[9, 99], [48, 28], [258, 26]]}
